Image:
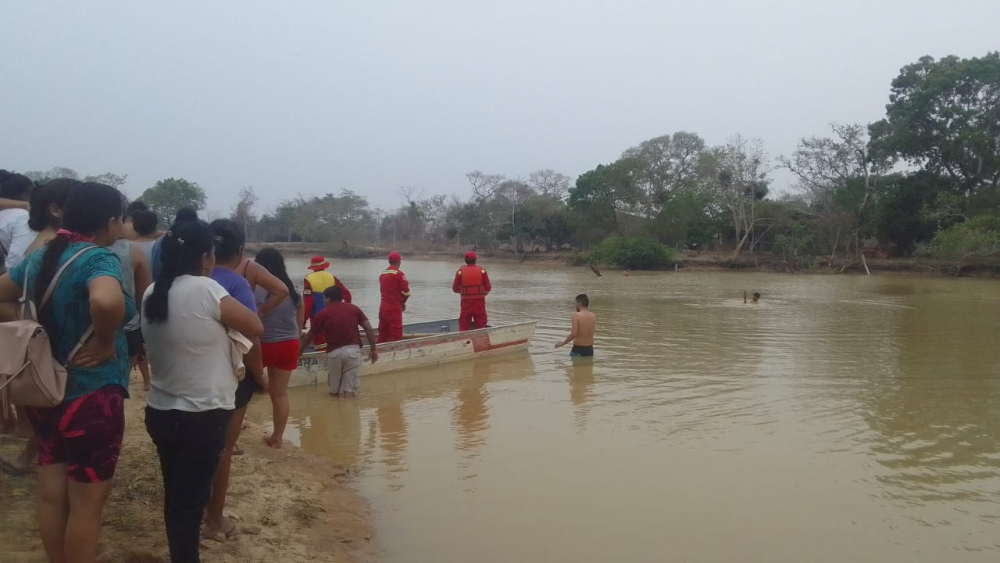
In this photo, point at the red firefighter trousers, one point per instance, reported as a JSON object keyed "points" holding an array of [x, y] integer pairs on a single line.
{"points": [[390, 324], [473, 314]]}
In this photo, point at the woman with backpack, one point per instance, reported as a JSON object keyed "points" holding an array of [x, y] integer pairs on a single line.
{"points": [[79, 440], [280, 341], [189, 409], [45, 217]]}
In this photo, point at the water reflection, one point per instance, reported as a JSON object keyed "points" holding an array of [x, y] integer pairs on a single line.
{"points": [[470, 413], [335, 425], [938, 418], [842, 419], [580, 373]]}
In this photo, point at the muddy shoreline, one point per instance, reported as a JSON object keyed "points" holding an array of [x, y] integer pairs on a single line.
{"points": [[291, 506], [683, 261]]}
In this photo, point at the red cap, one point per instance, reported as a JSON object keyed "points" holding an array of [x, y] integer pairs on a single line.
{"points": [[318, 263], [470, 255], [395, 257]]}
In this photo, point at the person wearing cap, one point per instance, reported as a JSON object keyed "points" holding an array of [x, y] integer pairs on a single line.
{"points": [[315, 284], [395, 291], [473, 283]]}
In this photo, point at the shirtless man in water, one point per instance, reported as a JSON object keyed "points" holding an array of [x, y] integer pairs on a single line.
{"points": [[584, 325]]}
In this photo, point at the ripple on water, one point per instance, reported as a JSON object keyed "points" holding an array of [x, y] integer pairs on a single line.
{"points": [[841, 419]]}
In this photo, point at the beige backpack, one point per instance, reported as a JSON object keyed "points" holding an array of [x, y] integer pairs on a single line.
{"points": [[29, 375]]}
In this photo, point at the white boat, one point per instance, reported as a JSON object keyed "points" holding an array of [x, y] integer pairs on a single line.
{"points": [[425, 344]]}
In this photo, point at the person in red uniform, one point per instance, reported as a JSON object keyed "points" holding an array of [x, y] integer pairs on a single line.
{"points": [[315, 284], [474, 284], [395, 291]]}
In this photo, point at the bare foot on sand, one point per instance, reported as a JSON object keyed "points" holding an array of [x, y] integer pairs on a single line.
{"points": [[14, 466], [220, 531], [273, 442]]}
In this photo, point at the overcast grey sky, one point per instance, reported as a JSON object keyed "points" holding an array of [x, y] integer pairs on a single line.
{"points": [[312, 97]]}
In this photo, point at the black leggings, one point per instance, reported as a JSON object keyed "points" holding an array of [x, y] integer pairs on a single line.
{"points": [[189, 445]]}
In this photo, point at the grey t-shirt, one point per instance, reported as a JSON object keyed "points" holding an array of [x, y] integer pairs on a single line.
{"points": [[280, 324], [147, 250], [123, 250]]}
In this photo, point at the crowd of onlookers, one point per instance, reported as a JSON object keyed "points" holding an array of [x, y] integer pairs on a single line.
{"points": [[183, 305]]}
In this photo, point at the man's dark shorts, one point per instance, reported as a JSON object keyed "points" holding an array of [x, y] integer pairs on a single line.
{"points": [[582, 352], [135, 341], [245, 390]]}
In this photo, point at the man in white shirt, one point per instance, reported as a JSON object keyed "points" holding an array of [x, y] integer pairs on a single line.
{"points": [[15, 235]]}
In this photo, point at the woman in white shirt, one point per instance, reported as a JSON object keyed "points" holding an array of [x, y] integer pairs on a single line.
{"points": [[185, 318]]}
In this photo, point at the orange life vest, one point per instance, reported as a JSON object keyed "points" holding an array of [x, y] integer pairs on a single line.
{"points": [[472, 286]]}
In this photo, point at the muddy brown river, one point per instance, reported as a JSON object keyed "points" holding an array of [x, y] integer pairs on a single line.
{"points": [[844, 418]]}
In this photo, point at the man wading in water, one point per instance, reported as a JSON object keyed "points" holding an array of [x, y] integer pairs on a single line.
{"points": [[584, 326]]}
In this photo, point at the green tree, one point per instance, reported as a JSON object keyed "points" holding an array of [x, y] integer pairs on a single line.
{"points": [[602, 196], [944, 115], [544, 219], [638, 253], [689, 217], [662, 166], [171, 194], [977, 237], [901, 217]]}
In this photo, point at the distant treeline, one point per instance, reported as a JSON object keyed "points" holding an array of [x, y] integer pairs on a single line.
{"points": [[924, 180]]}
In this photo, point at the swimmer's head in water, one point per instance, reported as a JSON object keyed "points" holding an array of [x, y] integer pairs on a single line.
{"points": [[756, 297]]}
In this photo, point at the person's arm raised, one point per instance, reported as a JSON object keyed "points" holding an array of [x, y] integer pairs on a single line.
{"points": [[276, 290], [239, 318]]}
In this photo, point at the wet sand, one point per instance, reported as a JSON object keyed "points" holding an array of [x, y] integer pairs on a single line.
{"points": [[291, 506]]}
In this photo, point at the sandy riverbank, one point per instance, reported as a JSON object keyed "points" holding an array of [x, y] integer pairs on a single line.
{"points": [[291, 506]]}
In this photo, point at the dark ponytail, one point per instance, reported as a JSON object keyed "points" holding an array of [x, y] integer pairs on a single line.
{"points": [[89, 208], [229, 239], [184, 245], [54, 192], [274, 262]]}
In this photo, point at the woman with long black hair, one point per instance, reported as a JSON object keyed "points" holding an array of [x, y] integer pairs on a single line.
{"points": [[80, 439], [185, 318], [280, 341], [45, 218]]}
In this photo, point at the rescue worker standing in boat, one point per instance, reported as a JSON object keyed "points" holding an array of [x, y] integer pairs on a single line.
{"points": [[395, 291], [314, 285], [473, 283]]}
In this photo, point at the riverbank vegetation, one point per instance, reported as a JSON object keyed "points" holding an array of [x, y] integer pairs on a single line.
{"points": [[922, 182]]}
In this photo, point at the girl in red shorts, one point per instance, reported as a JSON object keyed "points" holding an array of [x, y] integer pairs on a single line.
{"points": [[280, 341]]}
